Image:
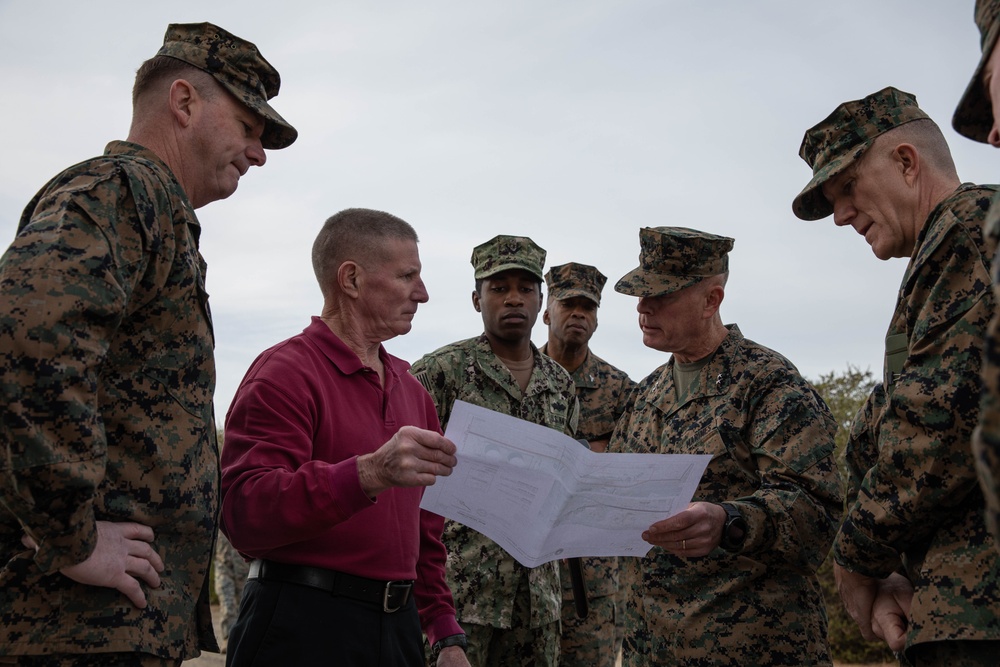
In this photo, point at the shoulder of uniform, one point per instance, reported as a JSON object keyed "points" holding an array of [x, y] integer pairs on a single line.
{"points": [[553, 369], [966, 207], [608, 369], [956, 234], [86, 175], [765, 360], [445, 354]]}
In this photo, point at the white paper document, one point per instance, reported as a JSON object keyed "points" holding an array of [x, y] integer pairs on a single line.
{"points": [[541, 495]]}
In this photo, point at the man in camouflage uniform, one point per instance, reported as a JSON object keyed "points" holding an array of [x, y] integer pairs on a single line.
{"points": [[731, 580], [230, 573], [574, 295], [510, 613], [978, 118], [109, 466], [883, 167]]}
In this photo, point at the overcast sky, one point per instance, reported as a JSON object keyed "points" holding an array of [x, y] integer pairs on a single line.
{"points": [[574, 123]]}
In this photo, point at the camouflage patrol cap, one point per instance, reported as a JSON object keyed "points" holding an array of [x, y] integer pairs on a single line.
{"points": [[502, 253], [845, 135], [568, 280], [974, 114], [238, 66], [672, 258]]}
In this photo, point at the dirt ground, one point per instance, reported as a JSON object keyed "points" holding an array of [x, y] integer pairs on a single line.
{"points": [[219, 660]]}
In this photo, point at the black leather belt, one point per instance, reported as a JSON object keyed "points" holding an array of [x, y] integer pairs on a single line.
{"points": [[390, 595]]}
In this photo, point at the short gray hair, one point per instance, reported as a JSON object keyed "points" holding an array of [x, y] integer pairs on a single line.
{"points": [[355, 234]]}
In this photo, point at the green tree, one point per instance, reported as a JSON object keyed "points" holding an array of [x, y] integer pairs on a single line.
{"points": [[845, 393]]}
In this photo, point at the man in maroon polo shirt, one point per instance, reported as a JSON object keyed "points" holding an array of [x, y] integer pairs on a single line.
{"points": [[329, 443]]}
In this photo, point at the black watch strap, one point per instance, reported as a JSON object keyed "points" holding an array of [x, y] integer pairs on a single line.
{"points": [[734, 531], [454, 640]]}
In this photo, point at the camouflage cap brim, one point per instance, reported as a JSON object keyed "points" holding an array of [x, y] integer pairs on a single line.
{"points": [[833, 144], [575, 279], [811, 204], [503, 253], [511, 266], [672, 258], [560, 294], [640, 282], [277, 131], [973, 116]]}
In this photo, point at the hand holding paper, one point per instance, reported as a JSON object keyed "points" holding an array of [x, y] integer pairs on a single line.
{"points": [[541, 496]]}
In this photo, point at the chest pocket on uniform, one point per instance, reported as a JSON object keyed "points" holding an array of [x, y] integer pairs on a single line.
{"points": [[896, 352]]}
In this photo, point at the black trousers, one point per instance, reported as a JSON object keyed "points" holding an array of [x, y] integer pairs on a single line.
{"points": [[956, 653], [286, 624]]}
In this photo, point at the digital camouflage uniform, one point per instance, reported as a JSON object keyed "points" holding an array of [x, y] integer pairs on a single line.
{"points": [[489, 586], [602, 391], [230, 574], [771, 438], [510, 613], [986, 438], [919, 505], [861, 451], [107, 381], [974, 119]]}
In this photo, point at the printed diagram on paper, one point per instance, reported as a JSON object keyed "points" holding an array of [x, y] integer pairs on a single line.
{"points": [[541, 495]]}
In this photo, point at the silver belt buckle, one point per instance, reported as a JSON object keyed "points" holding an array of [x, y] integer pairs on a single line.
{"points": [[385, 599]]}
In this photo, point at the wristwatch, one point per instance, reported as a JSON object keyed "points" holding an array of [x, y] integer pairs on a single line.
{"points": [[734, 531], [454, 640]]}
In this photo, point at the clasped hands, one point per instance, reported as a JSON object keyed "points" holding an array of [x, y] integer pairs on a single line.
{"points": [[880, 607]]}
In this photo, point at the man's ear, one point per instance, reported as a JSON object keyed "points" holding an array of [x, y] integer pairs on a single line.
{"points": [[182, 98], [349, 279], [713, 300], [907, 160], [545, 316], [475, 301]]}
